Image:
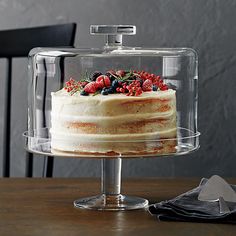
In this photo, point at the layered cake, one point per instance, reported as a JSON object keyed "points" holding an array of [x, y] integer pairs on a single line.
{"points": [[117, 113]]}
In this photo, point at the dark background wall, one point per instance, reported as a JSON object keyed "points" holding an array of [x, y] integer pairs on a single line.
{"points": [[208, 26]]}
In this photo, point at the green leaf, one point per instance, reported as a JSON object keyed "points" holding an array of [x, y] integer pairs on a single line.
{"points": [[127, 76], [85, 80], [116, 76]]}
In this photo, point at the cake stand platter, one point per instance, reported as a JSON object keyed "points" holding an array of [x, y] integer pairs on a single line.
{"points": [[39, 142], [112, 103]]}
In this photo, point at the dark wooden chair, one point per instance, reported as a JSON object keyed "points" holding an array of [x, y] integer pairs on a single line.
{"points": [[18, 43]]}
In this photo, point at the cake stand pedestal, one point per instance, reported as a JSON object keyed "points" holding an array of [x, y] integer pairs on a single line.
{"points": [[111, 197]]}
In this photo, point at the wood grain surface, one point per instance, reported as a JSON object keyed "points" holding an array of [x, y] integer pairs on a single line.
{"points": [[45, 207]]}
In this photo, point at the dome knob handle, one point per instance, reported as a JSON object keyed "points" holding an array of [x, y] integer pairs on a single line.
{"points": [[113, 33]]}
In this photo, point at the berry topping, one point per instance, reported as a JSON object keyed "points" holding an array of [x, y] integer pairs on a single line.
{"points": [[104, 91], [83, 83], [83, 93], [120, 73], [95, 75], [103, 81], [110, 90], [72, 86], [131, 83], [91, 87], [154, 87], [134, 89], [147, 85], [111, 76], [140, 81], [115, 83], [164, 87]]}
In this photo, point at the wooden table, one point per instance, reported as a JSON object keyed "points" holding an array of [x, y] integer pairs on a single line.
{"points": [[44, 207]]}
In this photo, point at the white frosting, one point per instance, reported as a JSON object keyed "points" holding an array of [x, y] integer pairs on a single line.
{"points": [[79, 120]]}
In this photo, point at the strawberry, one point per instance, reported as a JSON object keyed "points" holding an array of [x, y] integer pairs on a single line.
{"points": [[147, 85], [103, 81], [91, 87]]}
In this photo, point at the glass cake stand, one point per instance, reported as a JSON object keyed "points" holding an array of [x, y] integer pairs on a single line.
{"points": [[51, 68], [111, 198]]}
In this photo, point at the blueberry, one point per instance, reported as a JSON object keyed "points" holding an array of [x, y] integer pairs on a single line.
{"points": [[83, 93], [95, 75], [115, 83], [154, 87], [104, 92], [111, 90]]}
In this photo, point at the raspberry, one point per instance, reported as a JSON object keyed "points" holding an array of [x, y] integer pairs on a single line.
{"points": [[134, 88], [69, 89], [72, 86], [91, 87], [122, 90], [147, 85], [156, 80], [70, 82], [164, 87], [103, 81], [144, 75]]}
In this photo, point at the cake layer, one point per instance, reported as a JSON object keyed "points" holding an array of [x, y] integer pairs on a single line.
{"points": [[142, 147], [160, 148], [114, 113], [166, 134], [113, 104], [115, 126], [119, 143]]}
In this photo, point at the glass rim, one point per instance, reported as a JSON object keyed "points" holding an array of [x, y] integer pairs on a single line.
{"points": [[26, 134]]}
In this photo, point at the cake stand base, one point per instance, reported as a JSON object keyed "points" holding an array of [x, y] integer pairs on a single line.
{"points": [[111, 202], [111, 198]]}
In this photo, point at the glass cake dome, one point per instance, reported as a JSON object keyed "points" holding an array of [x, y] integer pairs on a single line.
{"points": [[112, 103]]}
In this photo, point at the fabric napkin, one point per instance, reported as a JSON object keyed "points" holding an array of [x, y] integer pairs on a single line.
{"points": [[187, 207]]}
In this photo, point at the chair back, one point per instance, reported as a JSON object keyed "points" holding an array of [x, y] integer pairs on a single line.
{"points": [[18, 43]]}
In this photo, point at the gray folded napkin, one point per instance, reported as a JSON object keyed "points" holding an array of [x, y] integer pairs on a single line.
{"points": [[187, 207]]}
